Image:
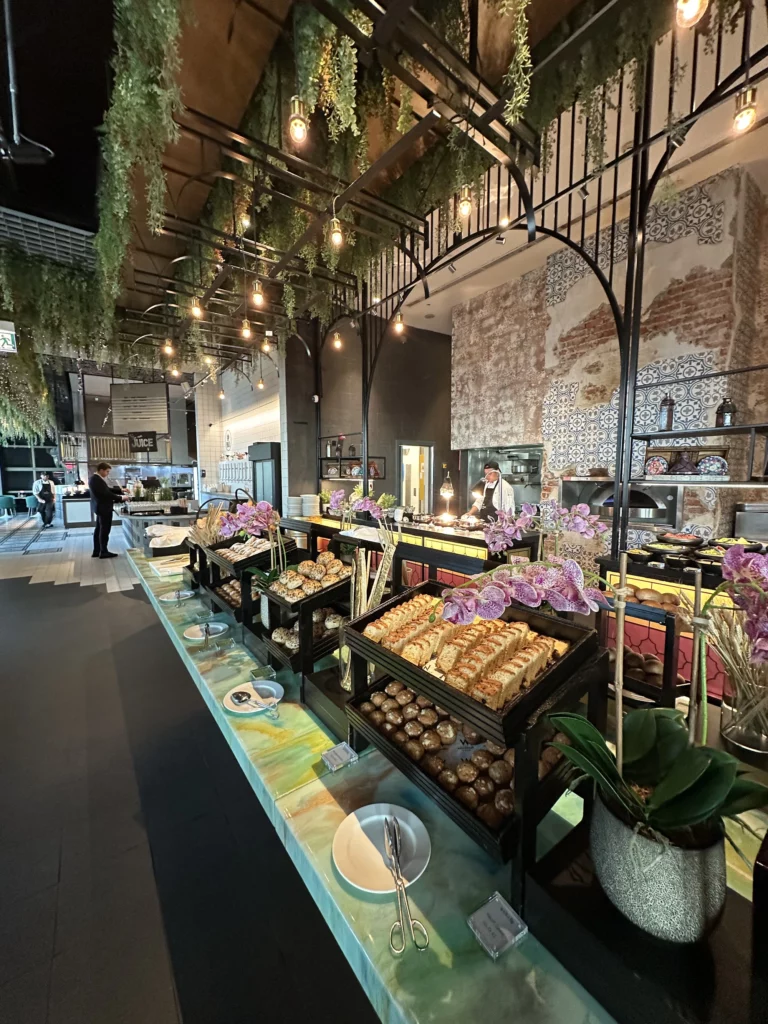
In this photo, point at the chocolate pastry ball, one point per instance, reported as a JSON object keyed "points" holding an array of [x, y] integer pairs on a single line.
{"points": [[388, 728], [395, 717], [414, 750], [390, 704], [400, 737], [404, 697], [430, 740], [411, 711], [441, 712], [413, 728], [467, 796], [394, 688], [423, 702], [367, 707], [490, 816], [447, 732], [377, 717], [504, 801], [482, 758], [484, 788], [501, 773], [497, 749], [432, 764], [448, 780], [378, 698], [467, 772], [471, 735], [509, 756], [428, 717]]}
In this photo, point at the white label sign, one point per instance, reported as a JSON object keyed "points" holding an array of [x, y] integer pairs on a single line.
{"points": [[7, 338]]}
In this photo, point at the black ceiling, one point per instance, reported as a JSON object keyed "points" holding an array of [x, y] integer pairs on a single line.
{"points": [[62, 50]]}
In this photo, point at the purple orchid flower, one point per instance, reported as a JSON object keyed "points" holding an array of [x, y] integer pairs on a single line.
{"points": [[337, 499], [460, 605]]}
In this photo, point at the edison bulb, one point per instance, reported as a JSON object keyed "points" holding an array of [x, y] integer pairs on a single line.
{"points": [[222, 396], [746, 110], [174, 372], [245, 222], [197, 309], [297, 125], [504, 222], [465, 201], [258, 294], [336, 234], [337, 342], [246, 331], [260, 383], [168, 348], [265, 345], [690, 12], [399, 325], [207, 360]]}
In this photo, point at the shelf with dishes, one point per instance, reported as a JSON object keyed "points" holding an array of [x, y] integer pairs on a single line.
{"points": [[350, 467]]}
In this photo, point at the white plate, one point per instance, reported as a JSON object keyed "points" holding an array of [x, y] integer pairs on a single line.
{"points": [[359, 853], [196, 634], [262, 691], [177, 595]]}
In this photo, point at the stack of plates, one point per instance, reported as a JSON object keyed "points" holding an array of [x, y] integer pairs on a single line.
{"points": [[310, 504], [293, 506]]}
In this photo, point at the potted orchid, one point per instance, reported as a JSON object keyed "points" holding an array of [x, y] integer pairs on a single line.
{"points": [[546, 518], [261, 519]]}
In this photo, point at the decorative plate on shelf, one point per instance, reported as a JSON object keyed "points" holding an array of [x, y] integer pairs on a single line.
{"points": [[712, 465], [332, 471], [656, 465]]}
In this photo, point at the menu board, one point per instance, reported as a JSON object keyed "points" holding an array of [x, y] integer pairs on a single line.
{"points": [[139, 408]]}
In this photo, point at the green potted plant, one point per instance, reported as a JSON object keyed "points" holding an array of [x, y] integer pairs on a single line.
{"points": [[657, 835]]}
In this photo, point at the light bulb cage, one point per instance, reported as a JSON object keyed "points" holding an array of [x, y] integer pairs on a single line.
{"points": [[298, 124], [336, 232], [746, 109], [465, 201], [690, 12]]}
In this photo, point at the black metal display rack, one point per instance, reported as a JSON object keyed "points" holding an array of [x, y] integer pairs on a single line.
{"points": [[523, 725]]}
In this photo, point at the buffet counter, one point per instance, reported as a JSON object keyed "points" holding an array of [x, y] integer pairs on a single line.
{"points": [[76, 512], [455, 979], [134, 524]]}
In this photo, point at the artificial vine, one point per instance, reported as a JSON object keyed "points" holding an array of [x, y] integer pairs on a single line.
{"points": [[518, 75], [26, 410], [138, 126]]}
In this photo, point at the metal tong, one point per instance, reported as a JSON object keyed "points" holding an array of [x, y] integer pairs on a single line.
{"points": [[393, 846]]}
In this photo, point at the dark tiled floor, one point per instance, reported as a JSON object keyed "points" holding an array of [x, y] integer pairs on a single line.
{"points": [[126, 831]]}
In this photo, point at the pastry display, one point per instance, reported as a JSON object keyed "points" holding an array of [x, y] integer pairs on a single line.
{"points": [[427, 717], [325, 622], [325, 557], [653, 598], [394, 688], [390, 704], [293, 643], [431, 741], [244, 549], [482, 759], [485, 787], [396, 718], [307, 579], [490, 660], [230, 591], [411, 711], [333, 621]]}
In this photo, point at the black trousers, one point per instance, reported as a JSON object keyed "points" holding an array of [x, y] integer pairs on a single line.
{"points": [[102, 531], [45, 508]]}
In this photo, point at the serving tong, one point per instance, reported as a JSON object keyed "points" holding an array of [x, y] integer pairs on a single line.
{"points": [[393, 847]]}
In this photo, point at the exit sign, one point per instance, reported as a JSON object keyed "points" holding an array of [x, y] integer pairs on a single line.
{"points": [[7, 338]]}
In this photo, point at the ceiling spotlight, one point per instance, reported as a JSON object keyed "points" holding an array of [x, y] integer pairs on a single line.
{"points": [[690, 12], [197, 309], [246, 330], [504, 222], [501, 240], [465, 201], [245, 222], [399, 324], [337, 342], [298, 126], [746, 109], [452, 267], [584, 192], [260, 383], [174, 372], [168, 347], [258, 294], [336, 233]]}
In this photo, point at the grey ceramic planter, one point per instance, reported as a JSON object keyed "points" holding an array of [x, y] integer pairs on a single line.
{"points": [[671, 893]]}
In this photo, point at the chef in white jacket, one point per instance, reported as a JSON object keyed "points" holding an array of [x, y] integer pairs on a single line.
{"points": [[494, 493]]}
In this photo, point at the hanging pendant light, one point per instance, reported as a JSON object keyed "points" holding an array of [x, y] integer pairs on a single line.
{"points": [[298, 125], [266, 346], [260, 383], [399, 324], [465, 201], [245, 222], [197, 309], [746, 109], [335, 232], [174, 372], [690, 12], [222, 396], [246, 330], [168, 347], [258, 294], [207, 360], [337, 342]]}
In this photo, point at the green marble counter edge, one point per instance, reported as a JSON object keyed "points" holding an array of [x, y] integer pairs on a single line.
{"points": [[454, 979]]}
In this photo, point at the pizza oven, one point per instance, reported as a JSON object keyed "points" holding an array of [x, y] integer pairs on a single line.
{"points": [[648, 505]]}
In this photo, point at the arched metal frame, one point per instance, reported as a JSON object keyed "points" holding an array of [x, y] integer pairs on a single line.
{"points": [[627, 317]]}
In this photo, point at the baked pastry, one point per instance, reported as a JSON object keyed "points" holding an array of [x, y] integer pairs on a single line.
{"points": [[414, 750], [411, 711], [305, 567], [344, 572], [334, 566], [467, 796], [489, 814], [292, 642], [423, 702], [509, 756], [367, 707], [504, 801], [501, 772], [471, 735], [448, 779], [485, 788], [431, 741], [333, 621], [390, 704], [497, 749], [446, 730], [394, 688], [378, 698], [325, 557], [378, 718], [483, 759], [428, 717], [319, 614], [388, 728], [329, 581], [405, 697], [397, 617], [291, 579], [413, 729], [310, 587], [467, 772], [395, 717], [433, 764], [280, 635], [400, 737]]}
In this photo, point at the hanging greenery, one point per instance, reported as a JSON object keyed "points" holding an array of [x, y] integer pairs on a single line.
{"points": [[518, 76], [26, 409], [138, 126]]}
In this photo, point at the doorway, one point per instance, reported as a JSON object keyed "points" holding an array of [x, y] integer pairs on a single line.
{"points": [[415, 472]]}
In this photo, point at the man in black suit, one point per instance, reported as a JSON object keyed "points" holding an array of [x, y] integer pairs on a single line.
{"points": [[103, 499]]}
